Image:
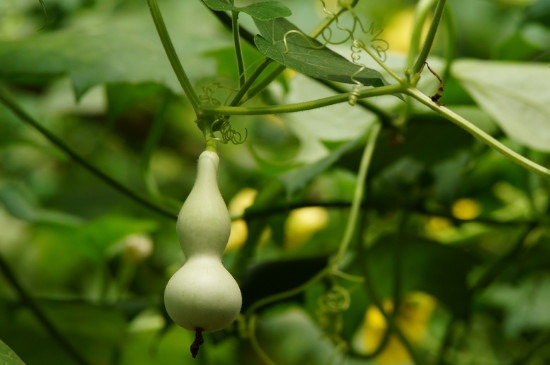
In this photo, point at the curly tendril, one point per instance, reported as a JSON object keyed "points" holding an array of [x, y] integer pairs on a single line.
{"points": [[330, 316], [336, 300], [355, 57], [207, 96], [377, 44], [228, 134], [331, 306]]}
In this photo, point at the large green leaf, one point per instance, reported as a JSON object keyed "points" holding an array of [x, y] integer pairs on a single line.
{"points": [[121, 48], [308, 56], [516, 95], [263, 10], [8, 357]]}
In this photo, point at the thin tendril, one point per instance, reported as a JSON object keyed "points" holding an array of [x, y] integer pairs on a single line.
{"points": [[304, 36], [355, 57], [228, 134], [378, 45]]}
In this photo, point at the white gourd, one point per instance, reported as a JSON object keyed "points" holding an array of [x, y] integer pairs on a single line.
{"points": [[202, 295]]}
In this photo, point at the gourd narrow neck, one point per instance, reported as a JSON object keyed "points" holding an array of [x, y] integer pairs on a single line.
{"points": [[204, 224], [207, 171]]}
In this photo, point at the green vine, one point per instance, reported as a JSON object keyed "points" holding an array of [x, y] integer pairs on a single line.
{"points": [[214, 119], [173, 56], [336, 300]]}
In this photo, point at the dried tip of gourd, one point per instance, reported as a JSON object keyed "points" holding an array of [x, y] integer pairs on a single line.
{"points": [[197, 343]]}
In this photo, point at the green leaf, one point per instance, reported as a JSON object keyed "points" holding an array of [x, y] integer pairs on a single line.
{"points": [[516, 95], [272, 277], [525, 303], [428, 266], [123, 48], [122, 97], [414, 142], [298, 178], [316, 128], [308, 56], [8, 357], [271, 168], [538, 12], [20, 203], [264, 10]]}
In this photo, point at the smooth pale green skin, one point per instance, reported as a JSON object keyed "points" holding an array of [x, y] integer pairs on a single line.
{"points": [[204, 224], [202, 294]]}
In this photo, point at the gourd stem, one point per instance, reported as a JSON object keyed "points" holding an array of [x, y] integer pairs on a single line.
{"points": [[206, 126], [197, 343]]}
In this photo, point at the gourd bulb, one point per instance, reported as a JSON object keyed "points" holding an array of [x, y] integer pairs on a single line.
{"points": [[202, 296]]}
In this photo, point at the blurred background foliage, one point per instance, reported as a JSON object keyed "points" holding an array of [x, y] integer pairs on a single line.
{"points": [[453, 232]]}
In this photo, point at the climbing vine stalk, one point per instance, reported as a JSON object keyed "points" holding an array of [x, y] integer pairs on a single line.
{"points": [[298, 107], [358, 194], [238, 48], [479, 133], [173, 56], [428, 41]]}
